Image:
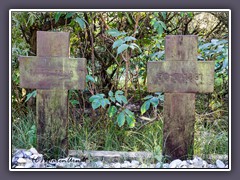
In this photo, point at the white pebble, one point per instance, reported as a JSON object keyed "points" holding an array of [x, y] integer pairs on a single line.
{"points": [[33, 150], [158, 165], [22, 161], [135, 163], [220, 164], [28, 165], [99, 164], [19, 167], [165, 165], [124, 165], [116, 165], [175, 164], [205, 164]]}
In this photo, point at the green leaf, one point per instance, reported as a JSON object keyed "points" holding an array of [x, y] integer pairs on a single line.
{"points": [[32, 94], [97, 96], [129, 113], [74, 102], [112, 111], [113, 99], [119, 92], [145, 107], [156, 24], [133, 45], [225, 63], [124, 99], [104, 102], [90, 78], [115, 32], [148, 97], [164, 15], [57, 16], [130, 38], [110, 93], [122, 48], [69, 14], [120, 98], [190, 14], [81, 22], [163, 25], [160, 30], [131, 121], [154, 101], [121, 119], [219, 82], [118, 43], [96, 104]]}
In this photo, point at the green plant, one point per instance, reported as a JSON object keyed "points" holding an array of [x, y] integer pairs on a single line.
{"points": [[217, 50], [116, 107], [24, 130], [154, 100], [31, 94]]}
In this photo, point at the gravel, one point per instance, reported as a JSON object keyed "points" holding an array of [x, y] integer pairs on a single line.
{"points": [[32, 159]]}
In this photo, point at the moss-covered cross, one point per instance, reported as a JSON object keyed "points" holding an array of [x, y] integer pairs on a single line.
{"points": [[180, 77], [52, 73]]}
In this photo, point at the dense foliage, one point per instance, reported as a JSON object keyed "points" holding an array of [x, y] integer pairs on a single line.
{"points": [[117, 46]]}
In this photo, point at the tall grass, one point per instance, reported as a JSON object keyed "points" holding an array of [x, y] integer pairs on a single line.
{"points": [[211, 135]]}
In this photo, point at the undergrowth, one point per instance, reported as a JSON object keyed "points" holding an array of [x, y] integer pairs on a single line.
{"points": [[211, 134]]}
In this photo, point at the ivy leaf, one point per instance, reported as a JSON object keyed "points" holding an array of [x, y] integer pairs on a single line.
{"points": [[81, 22], [112, 111], [145, 107], [122, 48], [118, 43], [121, 119]]}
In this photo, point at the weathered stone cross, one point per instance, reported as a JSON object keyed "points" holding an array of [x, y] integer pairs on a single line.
{"points": [[52, 73], [180, 77]]}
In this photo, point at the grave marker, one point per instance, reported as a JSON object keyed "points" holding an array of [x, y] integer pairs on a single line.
{"points": [[52, 73], [180, 77]]}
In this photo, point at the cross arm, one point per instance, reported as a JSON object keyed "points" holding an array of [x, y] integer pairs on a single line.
{"points": [[52, 72], [180, 76]]}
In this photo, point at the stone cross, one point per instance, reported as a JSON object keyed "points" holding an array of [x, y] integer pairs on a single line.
{"points": [[180, 77], [52, 73]]}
